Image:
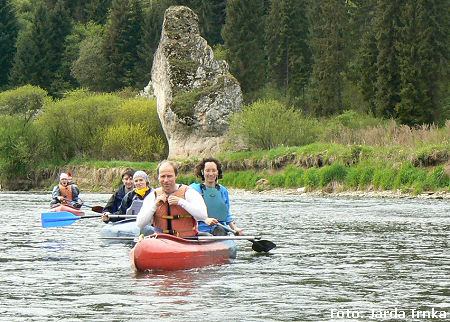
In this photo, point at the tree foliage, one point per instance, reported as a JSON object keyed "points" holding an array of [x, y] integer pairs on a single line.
{"points": [[329, 23], [8, 34], [24, 102], [40, 49], [288, 51], [243, 34], [122, 37]]}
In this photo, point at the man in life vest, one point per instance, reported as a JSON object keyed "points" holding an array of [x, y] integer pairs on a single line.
{"points": [[65, 193], [133, 200], [173, 208]]}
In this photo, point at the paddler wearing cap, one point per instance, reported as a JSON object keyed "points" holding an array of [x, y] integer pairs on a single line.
{"points": [[132, 201], [65, 193]]}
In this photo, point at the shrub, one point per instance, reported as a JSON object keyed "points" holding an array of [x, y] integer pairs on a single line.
{"points": [[20, 148], [26, 101], [269, 124], [73, 125], [312, 178], [131, 142], [384, 178], [334, 172]]}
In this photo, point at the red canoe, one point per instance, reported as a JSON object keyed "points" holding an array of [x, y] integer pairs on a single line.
{"points": [[167, 252], [69, 209]]}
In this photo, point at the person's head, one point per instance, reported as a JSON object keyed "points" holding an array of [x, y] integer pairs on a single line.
{"points": [[127, 178], [209, 170], [64, 179], [167, 176], [140, 179]]}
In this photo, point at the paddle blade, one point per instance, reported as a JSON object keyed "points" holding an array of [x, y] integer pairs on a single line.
{"points": [[98, 209], [262, 245], [57, 219]]}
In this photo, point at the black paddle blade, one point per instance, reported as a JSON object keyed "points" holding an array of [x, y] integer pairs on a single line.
{"points": [[262, 245], [98, 209]]}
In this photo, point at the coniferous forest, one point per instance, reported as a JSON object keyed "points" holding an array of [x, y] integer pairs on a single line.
{"points": [[388, 58], [337, 71]]}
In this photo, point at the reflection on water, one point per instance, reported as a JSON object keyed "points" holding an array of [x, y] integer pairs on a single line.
{"points": [[333, 255]]}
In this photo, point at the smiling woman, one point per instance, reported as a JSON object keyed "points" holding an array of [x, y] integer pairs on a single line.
{"points": [[215, 195], [132, 202]]}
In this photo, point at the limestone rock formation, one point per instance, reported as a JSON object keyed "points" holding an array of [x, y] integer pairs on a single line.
{"points": [[196, 94]]}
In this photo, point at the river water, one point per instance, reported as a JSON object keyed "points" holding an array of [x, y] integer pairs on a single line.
{"points": [[337, 259]]}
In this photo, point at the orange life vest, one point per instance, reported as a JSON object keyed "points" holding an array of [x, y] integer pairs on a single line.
{"points": [[174, 220], [66, 193]]}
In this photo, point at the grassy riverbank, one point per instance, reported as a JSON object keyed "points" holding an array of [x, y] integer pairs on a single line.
{"points": [[315, 167]]}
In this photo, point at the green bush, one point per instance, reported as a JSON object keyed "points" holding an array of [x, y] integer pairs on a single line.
{"points": [[383, 178], [26, 101], [241, 179], [73, 125], [294, 177], [20, 149], [312, 178], [269, 124], [131, 142], [335, 172]]}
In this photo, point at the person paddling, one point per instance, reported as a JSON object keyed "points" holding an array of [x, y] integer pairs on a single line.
{"points": [[133, 200], [209, 170], [115, 200], [173, 208], [65, 193]]}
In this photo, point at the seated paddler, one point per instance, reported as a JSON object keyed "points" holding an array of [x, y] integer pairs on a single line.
{"points": [[216, 198], [132, 202], [65, 193], [173, 208]]}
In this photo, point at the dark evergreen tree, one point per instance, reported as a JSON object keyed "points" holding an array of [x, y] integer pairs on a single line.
{"points": [[123, 33], [8, 37], [60, 25], [243, 34], [40, 49], [423, 53], [97, 10], [388, 76], [288, 51], [363, 69], [151, 34], [211, 15], [329, 26]]}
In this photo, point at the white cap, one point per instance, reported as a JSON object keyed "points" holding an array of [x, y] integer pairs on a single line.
{"points": [[140, 174]]}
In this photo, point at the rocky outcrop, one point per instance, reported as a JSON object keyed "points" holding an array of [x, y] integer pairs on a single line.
{"points": [[196, 94]]}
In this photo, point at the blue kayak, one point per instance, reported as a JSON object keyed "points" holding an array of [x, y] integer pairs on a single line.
{"points": [[123, 228]]}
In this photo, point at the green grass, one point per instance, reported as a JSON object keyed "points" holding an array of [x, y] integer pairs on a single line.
{"points": [[352, 167]]}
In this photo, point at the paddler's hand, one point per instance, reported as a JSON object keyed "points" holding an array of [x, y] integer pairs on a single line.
{"points": [[105, 216], [173, 200], [211, 221], [160, 200]]}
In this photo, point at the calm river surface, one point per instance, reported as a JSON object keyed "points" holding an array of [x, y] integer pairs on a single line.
{"points": [[333, 255]]}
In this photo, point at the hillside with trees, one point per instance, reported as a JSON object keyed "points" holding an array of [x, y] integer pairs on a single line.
{"points": [[70, 71]]}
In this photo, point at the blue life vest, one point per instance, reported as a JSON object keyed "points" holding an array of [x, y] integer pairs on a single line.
{"points": [[214, 202]]}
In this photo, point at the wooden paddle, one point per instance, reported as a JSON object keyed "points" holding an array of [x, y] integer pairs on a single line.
{"points": [[65, 218], [257, 244]]}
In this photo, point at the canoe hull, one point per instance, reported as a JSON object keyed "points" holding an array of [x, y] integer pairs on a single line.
{"points": [[166, 252], [125, 228], [74, 211]]}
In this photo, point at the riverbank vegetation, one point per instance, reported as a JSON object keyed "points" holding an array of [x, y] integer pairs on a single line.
{"points": [[338, 95], [269, 144]]}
